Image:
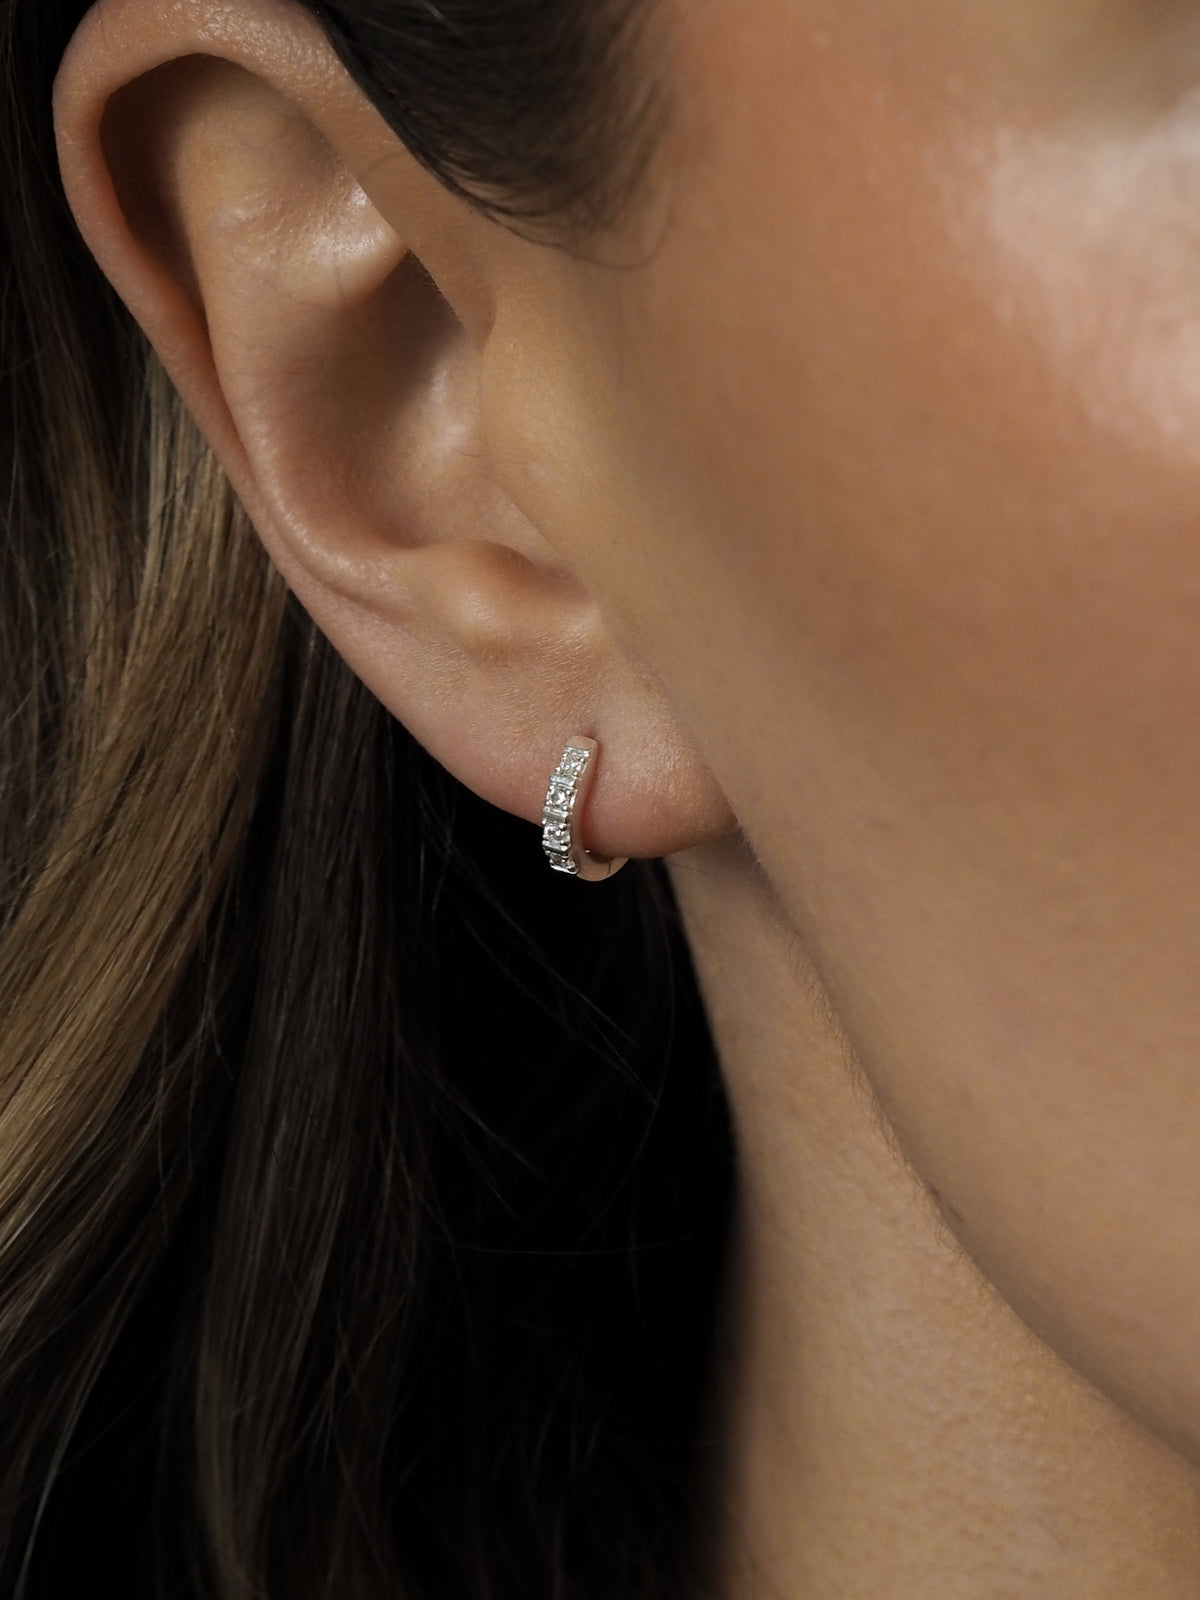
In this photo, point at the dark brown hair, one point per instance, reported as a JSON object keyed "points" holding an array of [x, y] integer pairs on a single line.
{"points": [[535, 110], [362, 1187]]}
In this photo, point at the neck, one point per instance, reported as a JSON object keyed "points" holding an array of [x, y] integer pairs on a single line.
{"points": [[887, 1424]]}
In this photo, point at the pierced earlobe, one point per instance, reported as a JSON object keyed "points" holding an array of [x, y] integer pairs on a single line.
{"points": [[570, 784]]}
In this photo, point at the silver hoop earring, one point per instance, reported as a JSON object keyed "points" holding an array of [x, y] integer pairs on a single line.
{"points": [[570, 784]]}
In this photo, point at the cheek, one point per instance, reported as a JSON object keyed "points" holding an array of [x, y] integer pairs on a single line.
{"points": [[910, 435]]}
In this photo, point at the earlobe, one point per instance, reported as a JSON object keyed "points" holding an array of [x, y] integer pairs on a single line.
{"points": [[326, 328]]}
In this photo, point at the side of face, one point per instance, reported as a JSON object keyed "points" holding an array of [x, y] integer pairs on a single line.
{"points": [[850, 490], [897, 398]]}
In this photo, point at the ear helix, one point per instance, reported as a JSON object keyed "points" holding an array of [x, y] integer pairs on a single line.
{"points": [[570, 785]]}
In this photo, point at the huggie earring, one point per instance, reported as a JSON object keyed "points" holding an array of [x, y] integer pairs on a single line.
{"points": [[566, 797]]}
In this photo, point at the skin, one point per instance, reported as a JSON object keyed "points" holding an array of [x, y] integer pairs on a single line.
{"points": [[849, 494]]}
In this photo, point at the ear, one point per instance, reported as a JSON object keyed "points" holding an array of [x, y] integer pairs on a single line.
{"points": [[325, 309]]}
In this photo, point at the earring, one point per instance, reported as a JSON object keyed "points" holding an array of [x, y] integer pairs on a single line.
{"points": [[570, 784]]}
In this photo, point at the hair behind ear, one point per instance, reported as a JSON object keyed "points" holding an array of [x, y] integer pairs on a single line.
{"points": [[349, 1243]]}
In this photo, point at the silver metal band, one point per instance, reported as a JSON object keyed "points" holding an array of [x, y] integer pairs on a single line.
{"points": [[566, 797]]}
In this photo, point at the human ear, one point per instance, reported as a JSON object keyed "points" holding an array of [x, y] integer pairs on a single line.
{"points": [[327, 311]]}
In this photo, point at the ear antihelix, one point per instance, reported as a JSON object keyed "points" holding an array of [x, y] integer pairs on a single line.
{"points": [[562, 815]]}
